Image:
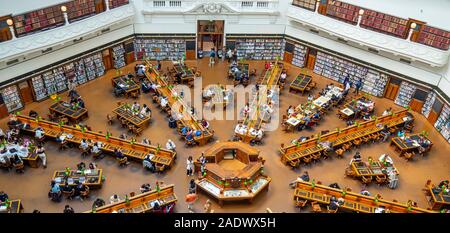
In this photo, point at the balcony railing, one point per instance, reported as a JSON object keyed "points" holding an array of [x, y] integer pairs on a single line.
{"points": [[369, 38], [39, 41]]}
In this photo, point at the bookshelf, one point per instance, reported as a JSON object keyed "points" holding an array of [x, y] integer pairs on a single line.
{"points": [[443, 123], [119, 56], [90, 67], [434, 37], [405, 94], [160, 49], [343, 11], [332, 67], [427, 106], [117, 3], [259, 49], [306, 4], [50, 82], [39, 89], [69, 71], [99, 66], [80, 72], [299, 55], [11, 97], [384, 23], [80, 9], [37, 20], [61, 81]]}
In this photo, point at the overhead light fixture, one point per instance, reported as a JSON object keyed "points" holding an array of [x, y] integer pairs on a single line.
{"points": [[361, 12], [9, 22], [63, 8], [413, 25]]}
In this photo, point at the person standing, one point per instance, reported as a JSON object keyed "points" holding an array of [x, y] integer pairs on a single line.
{"points": [[224, 50], [40, 151], [207, 207], [190, 166], [158, 65], [229, 55], [235, 55], [212, 54], [190, 200], [358, 86]]}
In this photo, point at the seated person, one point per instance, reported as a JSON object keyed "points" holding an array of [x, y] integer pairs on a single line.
{"points": [[81, 189], [81, 103], [147, 163], [118, 91], [92, 165], [39, 133], [205, 123], [334, 205], [146, 87], [69, 190], [3, 197], [98, 203], [135, 107], [401, 133], [356, 158], [146, 141], [283, 77], [123, 136], [170, 145], [96, 148], [189, 136], [387, 112], [385, 132], [146, 111], [33, 114], [367, 116], [55, 192], [81, 166], [185, 130], [114, 199], [365, 192], [163, 102], [84, 144], [145, 188]]}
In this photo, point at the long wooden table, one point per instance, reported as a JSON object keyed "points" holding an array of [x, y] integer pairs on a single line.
{"points": [[135, 151], [187, 119], [32, 159], [292, 154], [300, 83], [127, 84], [403, 146], [142, 203], [363, 170], [15, 207], [188, 75], [255, 118], [437, 201], [352, 201], [351, 109], [65, 109], [124, 112], [91, 178]]}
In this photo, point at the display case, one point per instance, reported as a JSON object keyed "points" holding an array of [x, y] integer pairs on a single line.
{"points": [[80, 71], [50, 82], [69, 71], [38, 20], [78, 9], [160, 49], [260, 49], [405, 94], [299, 55], [11, 98], [384, 23], [306, 4], [343, 11], [39, 89], [61, 82], [119, 56], [427, 106], [443, 123], [375, 83], [434, 37]]}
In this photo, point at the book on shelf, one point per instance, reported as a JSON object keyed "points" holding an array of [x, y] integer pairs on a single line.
{"points": [[119, 56], [160, 49], [429, 102], [80, 72], [307, 4], [90, 67], [11, 98], [260, 49], [50, 82], [99, 66], [39, 89], [61, 82], [443, 123], [405, 94], [299, 55]]}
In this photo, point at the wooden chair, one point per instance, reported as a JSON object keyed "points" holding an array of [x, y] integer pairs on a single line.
{"points": [[132, 194], [294, 163], [409, 127], [68, 194], [340, 152], [366, 139], [347, 146], [427, 188], [380, 179], [366, 180], [85, 152], [63, 145], [316, 157], [97, 155], [84, 194], [325, 154], [19, 167], [357, 142], [138, 130], [393, 129], [349, 172], [300, 203], [110, 119], [409, 155], [307, 159], [124, 123], [134, 94], [316, 207], [123, 161], [330, 211]]}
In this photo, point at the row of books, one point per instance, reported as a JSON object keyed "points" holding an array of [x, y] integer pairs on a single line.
{"points": [[405, 94], [56, 80], [160, 49], [427, 106], [118, 56], [299, 55], [11, 98], [443, 123], [260, 49], [337, 69], [307, 4]]}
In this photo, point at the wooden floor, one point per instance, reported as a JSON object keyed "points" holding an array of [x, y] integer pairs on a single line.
{"points": [[32, 186]]}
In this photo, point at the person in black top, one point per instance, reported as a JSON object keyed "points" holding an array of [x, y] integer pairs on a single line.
{"points": [[98, 203], [145, 188], [68, 210], [172, 122], [68, 190], [3, 196], [81, 102], [305, 176], [158, 65], [357, 157], [81, 166], [334, 205], [192, 186], [118, 154], [443, 183], [385, 133], [33, 114], [178, 77], [36, 212]]}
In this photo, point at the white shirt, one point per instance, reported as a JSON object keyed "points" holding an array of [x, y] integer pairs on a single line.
{"points": [[114, 200], [291, 111], [164, 102], [39, 133], [84, 145], [238, 128], [135, 107], [190, 165], [170, 145], [283, 76]]}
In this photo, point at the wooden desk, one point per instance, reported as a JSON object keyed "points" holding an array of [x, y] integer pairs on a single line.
{"points": [[188, 75], [187, 119], [124, 112], [300, 83], [142, 203], [129, 85], [91, 178], [352, 105], [163, 161], [255, 118], [438, 201], [62, 108], [136, 151], [375, 169], [403, 146], [352, 201], [293, 154], [243, 67], [15, 207], [32, 159]]}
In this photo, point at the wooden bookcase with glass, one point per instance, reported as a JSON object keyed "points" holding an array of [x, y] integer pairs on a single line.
{"points": [[160, 49], [11, 98]]}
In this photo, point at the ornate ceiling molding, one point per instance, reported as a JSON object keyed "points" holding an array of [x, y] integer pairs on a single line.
{"points": [[380, 41], [42, 40]]}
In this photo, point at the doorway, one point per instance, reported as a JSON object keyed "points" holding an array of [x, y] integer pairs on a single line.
{"points": [[210, 35]]}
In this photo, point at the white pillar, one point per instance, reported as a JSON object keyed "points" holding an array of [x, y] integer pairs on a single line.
{"points": [[317, 6], [360, 14], [66, 18], [10, 23], [107, 5], [413, 26]]}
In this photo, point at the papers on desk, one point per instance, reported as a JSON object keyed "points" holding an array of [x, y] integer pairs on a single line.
{"points": [[293, 121], [347, 111], [406, 119], [152, 203], [70, 181], [58, 179], [88, 172], [321, 101]]}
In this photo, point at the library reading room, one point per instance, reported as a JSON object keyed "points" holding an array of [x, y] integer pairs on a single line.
{"points": [[224, 106]]}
